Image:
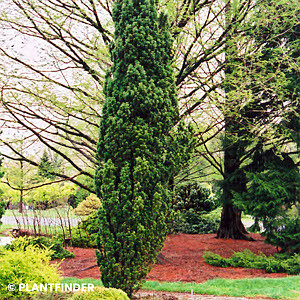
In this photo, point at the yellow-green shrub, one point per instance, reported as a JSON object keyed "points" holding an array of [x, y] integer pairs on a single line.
{"points": [[88, 206], [101, 293], [27, 265]]}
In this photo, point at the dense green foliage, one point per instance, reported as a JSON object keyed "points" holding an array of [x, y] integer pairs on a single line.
{"points": [[45, 167], [100, 293], [194, 196], [81, 193], [138, 155], [271, 191], [285, 233], [25, 264], [88, 206], [247, 259], [195, 210], [51, 296], [84, 235], [194, 222], [261, 111], [55, 246]]}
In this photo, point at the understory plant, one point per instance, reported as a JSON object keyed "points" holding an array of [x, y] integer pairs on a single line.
{"points": [[195, 209], [26, 264], [55, 246], [272, 264], [84, 235], [101, 293], [285, 234]]}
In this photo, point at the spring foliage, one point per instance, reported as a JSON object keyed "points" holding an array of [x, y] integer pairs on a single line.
{"points": [[137, 153], [27, 265]]}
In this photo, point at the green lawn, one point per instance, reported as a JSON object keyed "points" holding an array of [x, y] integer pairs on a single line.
{"points": [[4, 227], [44, 229], [64, 212], [277, 288]]}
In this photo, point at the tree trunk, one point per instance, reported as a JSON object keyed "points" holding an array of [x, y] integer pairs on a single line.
{"points": [[21, 202], [21, 187], [231, 226]]}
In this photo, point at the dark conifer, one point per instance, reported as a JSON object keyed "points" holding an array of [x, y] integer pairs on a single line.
{"points": [[135, 153]]}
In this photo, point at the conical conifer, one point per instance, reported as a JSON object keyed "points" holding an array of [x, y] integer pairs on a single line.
{"points": [[135, 152]]}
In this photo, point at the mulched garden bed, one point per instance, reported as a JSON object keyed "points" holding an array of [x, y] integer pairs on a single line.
{"points": [[184, 253]]}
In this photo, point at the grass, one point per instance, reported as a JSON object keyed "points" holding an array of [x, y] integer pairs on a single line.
{"points": [[4, 227], [47, 213], [277, 288], [43, 228]]}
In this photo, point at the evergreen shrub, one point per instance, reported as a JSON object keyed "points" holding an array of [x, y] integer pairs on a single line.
{"points": [[247, 259], [193, 222], [101, 293], [141, 147], [285, 233], [195, 209], [84, 235], [26, 264], [55, 246]]}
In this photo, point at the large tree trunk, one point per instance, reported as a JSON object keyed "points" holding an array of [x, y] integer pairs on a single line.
{"points": [[231, 226]]}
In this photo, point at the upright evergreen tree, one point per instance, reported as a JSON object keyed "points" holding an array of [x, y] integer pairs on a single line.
{"points": [[45, 167], [135, 151], [231, 225], [261, 89]]}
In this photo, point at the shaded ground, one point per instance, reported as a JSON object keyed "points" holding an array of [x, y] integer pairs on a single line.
{"points": [[185, 252]]}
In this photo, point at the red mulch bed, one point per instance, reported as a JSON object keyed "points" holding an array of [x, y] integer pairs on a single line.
{"points": [[185, 252]]}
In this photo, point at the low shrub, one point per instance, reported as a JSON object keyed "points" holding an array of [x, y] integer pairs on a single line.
{"points": [[52, 296], [284, 233], [194, 210], [88, 206], [247, 259], [197, 223], [84, 235], [26, 264], [101, 293], [57, 250], [194, 196]]}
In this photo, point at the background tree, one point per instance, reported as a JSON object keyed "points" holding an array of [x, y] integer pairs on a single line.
{"points": [[58, 102], [273, 173], [45, 167], [2, 203], [57, 97], [135, 151], [266, 95]]}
